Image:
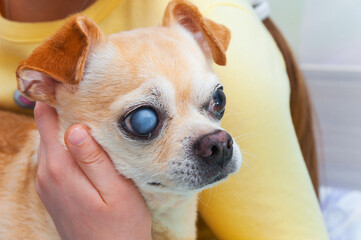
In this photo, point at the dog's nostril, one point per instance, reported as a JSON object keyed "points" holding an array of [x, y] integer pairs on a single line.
{"points": [[214, 150], [230, 143]]}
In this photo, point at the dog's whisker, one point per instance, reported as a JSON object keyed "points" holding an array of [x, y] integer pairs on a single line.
{"points": [[203, 203], [244, 161], [243, 135], [247, 165], [250, 155], [209, 196], [241, 139]]}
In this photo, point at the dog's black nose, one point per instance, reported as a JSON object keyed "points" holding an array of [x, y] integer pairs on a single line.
{"points": [[216, 147]]}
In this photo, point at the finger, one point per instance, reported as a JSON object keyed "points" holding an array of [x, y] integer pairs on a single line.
{"points": [[56, 177], [94, 162], [56, 160], [46, 120], [57, 170], [40, 154]]}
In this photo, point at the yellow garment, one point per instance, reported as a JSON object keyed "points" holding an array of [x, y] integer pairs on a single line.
{"points": [[272, 196]]}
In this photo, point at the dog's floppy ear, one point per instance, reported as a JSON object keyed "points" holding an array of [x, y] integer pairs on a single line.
{"points": [[213, 38], [59, 60]]}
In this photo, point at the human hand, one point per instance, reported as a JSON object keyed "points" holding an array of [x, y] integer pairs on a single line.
{"points": [[85, 196]]}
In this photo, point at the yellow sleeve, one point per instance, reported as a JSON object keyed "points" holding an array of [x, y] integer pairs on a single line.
{"points": [[271, 197]]}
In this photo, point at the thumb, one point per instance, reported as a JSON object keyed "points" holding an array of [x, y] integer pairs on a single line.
{"points": [[92, 160]]}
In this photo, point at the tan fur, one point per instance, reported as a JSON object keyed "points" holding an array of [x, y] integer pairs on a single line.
{"points": [[13, 127], [167, 67], [20, 206], [216, 35]]}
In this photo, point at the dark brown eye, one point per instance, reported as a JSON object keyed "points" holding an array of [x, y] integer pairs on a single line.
{"points": [[218, 103]]}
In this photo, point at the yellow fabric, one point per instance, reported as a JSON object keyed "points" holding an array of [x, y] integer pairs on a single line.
{"points": [[272, 196]]}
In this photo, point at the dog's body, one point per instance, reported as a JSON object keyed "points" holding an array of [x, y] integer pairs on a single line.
{"points": [[111, 83], [22, 215]]}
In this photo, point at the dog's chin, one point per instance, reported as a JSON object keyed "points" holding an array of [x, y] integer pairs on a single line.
{"points": [[207, 183], [189, 188], [214, 178]]}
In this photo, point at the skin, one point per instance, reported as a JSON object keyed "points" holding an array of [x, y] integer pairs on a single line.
{"points": [[41, 10], [85, 196]]}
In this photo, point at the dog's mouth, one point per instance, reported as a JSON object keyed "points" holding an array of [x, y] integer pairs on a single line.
{"points": [[187, 177], [156, 184], [214, 179]]}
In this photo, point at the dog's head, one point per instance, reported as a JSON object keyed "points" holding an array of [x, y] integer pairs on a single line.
{"points": [[149, 96]]}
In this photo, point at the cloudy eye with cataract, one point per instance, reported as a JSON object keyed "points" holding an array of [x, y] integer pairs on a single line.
{"points": [[142, 121]]}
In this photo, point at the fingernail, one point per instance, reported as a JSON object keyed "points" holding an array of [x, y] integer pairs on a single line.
{"points": [[77, 136]]}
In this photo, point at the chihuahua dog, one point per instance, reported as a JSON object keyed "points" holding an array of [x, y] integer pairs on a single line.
{"points": [[151, 100]]}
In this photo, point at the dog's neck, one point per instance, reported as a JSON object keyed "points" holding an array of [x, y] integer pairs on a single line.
{"points": [[173, 215]]}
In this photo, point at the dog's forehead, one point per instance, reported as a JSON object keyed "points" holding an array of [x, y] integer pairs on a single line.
{"points": [[159, 52], [166, 58]]}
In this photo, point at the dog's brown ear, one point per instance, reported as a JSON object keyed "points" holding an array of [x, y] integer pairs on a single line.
{"points": [[59, 60], [212, 37]]}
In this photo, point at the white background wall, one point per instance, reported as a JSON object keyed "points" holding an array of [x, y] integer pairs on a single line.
{"points": [[321, 31], [331, 32], [326, 37]]}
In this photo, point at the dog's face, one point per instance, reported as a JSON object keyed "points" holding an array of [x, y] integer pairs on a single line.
{"points": [[150, 98], [161, 110]]}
